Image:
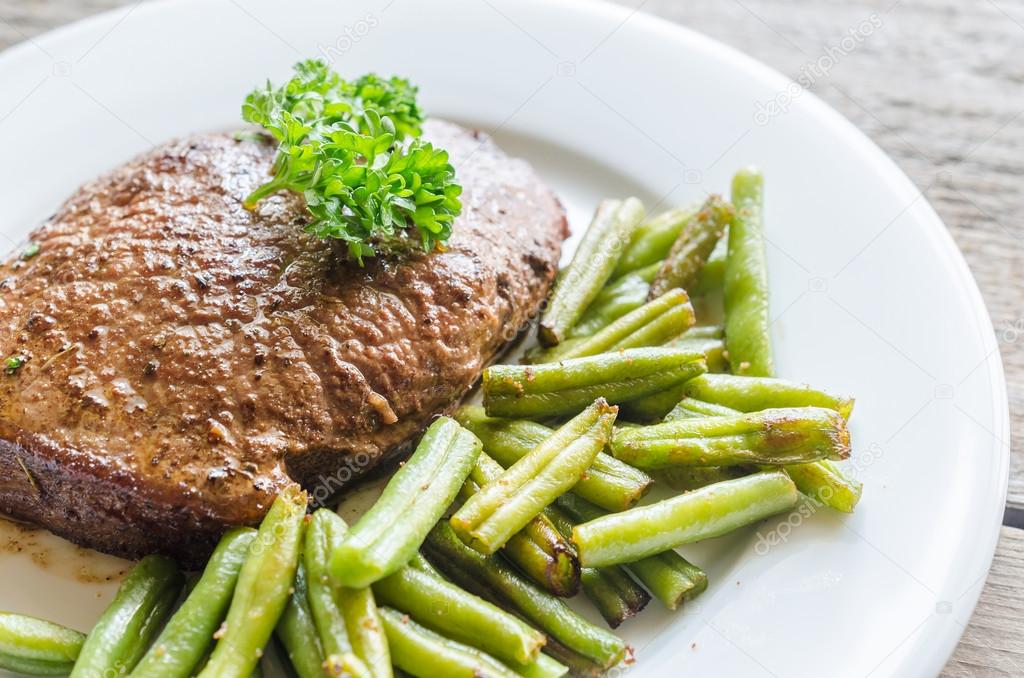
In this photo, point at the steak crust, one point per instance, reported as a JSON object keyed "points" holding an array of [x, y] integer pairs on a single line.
{"points": [[188, 358]]}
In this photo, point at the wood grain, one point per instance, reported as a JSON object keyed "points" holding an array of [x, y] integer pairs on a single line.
{"points": [[939, 87], [993, 643]]}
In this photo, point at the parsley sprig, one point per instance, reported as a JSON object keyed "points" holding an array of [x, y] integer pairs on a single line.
{"points": [[351, 148], [14, 363]]}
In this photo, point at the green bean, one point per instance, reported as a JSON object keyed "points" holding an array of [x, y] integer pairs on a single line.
{"points": [[616, 299], [609, 483], [297, 632], [416, 496], [578, 665], [539, 354], [691, 408], [591, 267], [692, 477], [542, 667], [189, 634], [670, 578], [704, 332], [362, 621], [712, 276], [538, 550], [655, 406], [421, 652], [610, 589], [653, 239], [323, 535], [423, 565], [546, 612], [702, 514], [749, 394], [774, 437], [653, 324], [263, 588], [667, 575], [131, 622], [825, 482], [747, 326], [820, 480], [546, 557], [459, 615], [714, 351], [507, 503], [692, 247], [37, 647], [614, 594], [569, 386], [686, 478]]}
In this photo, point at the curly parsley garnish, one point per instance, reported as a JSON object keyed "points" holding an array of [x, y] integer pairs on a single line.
{"points": [[351, 149], [14, 363]]}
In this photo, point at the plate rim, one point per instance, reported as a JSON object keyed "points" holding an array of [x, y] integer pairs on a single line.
{"points": [[941, 636]]}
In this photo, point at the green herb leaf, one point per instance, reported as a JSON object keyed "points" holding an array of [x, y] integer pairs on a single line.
{"points": [[31, 250], [13, 363], [350, 148]]}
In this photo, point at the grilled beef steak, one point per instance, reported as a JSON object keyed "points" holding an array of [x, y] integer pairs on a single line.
{"points": [[187, 358]]}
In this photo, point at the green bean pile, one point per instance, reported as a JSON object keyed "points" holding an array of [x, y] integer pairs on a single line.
{"points": [[463, 565]]}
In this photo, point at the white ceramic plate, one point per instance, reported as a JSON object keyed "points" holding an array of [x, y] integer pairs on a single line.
{"points": [[869, 294]]}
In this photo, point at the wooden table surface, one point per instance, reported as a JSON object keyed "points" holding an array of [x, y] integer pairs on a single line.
{"points": [[939, 85]]}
